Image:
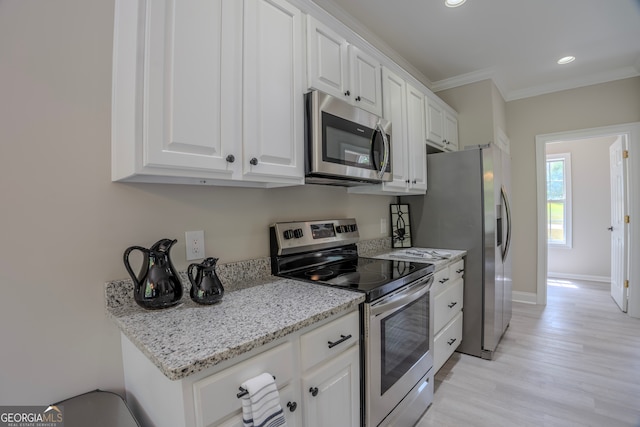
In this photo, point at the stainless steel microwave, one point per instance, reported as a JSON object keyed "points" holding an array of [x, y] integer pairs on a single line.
{"points": [[344, 145]]}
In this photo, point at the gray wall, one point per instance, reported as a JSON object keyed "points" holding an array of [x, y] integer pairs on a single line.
{"points": [[64, 224], [583, 108]]}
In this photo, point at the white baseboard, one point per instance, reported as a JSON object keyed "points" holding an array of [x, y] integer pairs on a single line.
{"points": [[586, 277], [525, 297]]}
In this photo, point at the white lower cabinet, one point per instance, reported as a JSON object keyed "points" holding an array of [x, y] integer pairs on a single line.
{"points": [[330, 364], [446, 341], [316, 370], [448, 289], [286, 398], [331, 392], [215, 397]]}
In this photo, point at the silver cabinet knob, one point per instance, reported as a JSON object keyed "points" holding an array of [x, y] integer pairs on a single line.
{"points": [[230, 158], [253, 161]]}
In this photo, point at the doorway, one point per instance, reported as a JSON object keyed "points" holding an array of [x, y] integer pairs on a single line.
{"points": [[578, 214], [631, 133]]}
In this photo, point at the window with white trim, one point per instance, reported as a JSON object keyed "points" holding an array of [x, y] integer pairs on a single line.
{"points": [[559, 200]]}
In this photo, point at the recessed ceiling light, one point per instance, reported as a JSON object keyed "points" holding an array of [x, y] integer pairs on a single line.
{"points": [[454, 3], [566, 60]]}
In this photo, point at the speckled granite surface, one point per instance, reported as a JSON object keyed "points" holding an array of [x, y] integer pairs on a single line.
{"points": [[366, 248], [402, 255], [189, 337]]}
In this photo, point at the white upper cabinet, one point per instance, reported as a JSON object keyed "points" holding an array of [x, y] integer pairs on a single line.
{"points": [[341, 69], [416, 140], [395, 110], [442, 125], [327, 60], [273, 91], [404, 106], [366, 85], [181, 70]]}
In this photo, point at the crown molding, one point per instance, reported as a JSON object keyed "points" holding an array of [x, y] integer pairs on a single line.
{"points": [[493, 74], [609, 76], [473, 77]]}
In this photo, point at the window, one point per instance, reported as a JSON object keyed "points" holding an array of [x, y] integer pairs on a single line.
{"points": [[559, 200]]}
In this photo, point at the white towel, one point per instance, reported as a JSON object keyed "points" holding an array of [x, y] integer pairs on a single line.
{"points": [[261, 406]]}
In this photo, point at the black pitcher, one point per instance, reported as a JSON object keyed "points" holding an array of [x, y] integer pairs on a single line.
{"points": [[157, 285], [206, 287]]}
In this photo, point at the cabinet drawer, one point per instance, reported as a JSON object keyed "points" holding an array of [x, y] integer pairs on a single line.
{"points": [[320, 344], [447, 303], [441, 280], [456, 270], [215, 397], [446, 342]]}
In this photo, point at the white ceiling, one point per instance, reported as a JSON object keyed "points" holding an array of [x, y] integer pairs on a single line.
{"points": [[514, 42]]}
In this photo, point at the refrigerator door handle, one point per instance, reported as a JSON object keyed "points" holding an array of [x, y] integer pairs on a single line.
{"points": [[507, 210]]}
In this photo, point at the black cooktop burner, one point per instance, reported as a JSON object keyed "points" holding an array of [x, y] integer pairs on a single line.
{"points": [[375, 277]]}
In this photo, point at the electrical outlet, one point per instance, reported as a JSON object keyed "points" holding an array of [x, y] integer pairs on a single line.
{"points": [[195, 244], [383, 226]]}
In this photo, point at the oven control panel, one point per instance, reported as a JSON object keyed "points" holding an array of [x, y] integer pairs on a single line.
{"points": [[301, 236]]}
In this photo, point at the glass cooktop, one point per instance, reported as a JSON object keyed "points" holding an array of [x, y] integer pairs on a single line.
{"points": [[375, 277]]}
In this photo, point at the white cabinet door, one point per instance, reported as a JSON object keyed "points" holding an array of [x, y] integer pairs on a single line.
{"points": [[395, 111], [327, 60], [366, 84], [342, 69], [273, 102], [331, 392], [451, 131], [435, 122], [403, 105], [417, 149], [442, 126], [287, 401], [192, 86]]}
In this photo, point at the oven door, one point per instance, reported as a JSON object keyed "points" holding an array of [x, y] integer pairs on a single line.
{"points": [[399, 342]]}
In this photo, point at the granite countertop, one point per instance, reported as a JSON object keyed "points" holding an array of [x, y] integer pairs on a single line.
{"points": [[189, 338], [423, 255]]}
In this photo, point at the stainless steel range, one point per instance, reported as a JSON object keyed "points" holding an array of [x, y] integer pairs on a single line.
{"points": [[396, 318]]}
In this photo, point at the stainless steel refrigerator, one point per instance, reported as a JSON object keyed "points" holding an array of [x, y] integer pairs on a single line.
{"points": [[467, 207]]}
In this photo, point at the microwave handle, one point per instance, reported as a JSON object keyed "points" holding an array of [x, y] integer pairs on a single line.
{"points": [[385, 156]]}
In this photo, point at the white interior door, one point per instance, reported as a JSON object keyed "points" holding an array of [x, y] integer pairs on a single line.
{"points": [[618, 226]]}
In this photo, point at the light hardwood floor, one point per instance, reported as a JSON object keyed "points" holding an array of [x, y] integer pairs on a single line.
{"points": [[573, 362]]}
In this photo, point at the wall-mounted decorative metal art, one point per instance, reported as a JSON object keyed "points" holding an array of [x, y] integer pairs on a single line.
{"points": [[400, 226]]}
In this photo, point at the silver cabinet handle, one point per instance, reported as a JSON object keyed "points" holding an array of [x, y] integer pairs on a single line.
{"points": [[253, 161], [230, 158]]}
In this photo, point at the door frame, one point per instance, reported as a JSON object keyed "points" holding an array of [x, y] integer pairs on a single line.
{"points": [[632, 131]]}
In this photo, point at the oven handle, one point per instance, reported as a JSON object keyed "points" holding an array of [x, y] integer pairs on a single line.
{"points": [[405, 296]]}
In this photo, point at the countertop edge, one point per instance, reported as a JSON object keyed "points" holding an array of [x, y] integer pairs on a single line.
{"points": [[192, 367]]}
